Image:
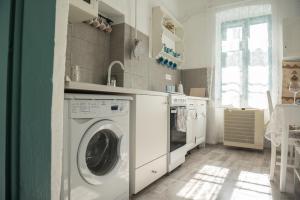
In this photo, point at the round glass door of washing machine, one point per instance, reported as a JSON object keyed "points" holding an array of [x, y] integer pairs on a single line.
{"points": [[99, 152]]}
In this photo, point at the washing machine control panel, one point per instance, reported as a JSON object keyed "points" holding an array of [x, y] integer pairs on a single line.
{"points": [[98, 108]]}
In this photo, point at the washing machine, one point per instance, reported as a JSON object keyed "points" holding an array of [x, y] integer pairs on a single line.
{"points": [[96, 147]]}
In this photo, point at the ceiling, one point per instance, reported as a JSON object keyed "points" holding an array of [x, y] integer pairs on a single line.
{"points": [[188, 8]]}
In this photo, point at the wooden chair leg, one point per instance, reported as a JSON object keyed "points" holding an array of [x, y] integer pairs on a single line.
{"points": [[273, 161]]}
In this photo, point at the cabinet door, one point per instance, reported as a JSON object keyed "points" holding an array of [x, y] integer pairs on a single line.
{"points": [[151, 128], [201, 123], [191, 131], [291, 33]]}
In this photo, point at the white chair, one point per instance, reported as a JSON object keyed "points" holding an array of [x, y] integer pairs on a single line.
{"points": [[294, 136]]}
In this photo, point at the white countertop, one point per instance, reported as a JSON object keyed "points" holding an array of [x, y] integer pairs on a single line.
{"points": [[90, 87], [72, 86], [198, 98]]}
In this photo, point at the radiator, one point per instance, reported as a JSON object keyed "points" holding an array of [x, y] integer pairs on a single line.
{"points": [[244, 128]]}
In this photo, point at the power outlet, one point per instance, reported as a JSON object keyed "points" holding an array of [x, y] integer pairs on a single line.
{"points": [[168, 77]]}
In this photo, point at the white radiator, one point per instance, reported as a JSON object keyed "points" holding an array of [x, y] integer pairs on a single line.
{"points": [[244, 128]]}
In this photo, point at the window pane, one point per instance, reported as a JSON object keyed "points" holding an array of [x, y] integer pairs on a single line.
{"points": [[259, 37], [245, 62], [258, 69], [231, 86], [234, 59], [233, 39], [231, 67]]}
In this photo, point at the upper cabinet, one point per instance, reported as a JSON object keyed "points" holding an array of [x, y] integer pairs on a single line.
{"points": [[167, 36], [291, 38], [81, 10]]}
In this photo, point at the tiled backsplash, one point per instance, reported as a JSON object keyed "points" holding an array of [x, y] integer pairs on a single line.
{"points": [[145, 72], [89, 49], [93, 50], [194, 78]]}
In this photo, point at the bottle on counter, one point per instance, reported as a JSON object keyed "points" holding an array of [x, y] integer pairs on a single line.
{"points": [[180, 87]]}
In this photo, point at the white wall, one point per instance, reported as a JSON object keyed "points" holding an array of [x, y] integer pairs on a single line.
{"points": [[61, 21], [144, 11], [197, 18], [198, 41]]}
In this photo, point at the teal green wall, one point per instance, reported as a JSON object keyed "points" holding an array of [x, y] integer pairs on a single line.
{"points": [[4, 63], [26, 98], [36, 99]]}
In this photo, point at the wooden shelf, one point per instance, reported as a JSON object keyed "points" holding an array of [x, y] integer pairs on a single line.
{"points": [[163, 36], [170, 57], [170, 35]]}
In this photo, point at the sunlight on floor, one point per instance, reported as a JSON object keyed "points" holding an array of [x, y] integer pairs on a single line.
{"points": [[205, 184], [252, 186], [208, 182]]}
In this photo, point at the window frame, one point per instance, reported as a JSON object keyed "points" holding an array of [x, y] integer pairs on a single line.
{"points": [[245, 24]]}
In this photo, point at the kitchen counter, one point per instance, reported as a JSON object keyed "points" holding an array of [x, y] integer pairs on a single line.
{"points": [[198, 98], [72, 86]]}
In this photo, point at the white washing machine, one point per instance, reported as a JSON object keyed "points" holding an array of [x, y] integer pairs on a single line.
{"points": [[96, 147]]}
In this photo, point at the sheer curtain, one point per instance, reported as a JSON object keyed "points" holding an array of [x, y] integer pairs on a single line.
{"points": [[219, 15], [243, 44]]}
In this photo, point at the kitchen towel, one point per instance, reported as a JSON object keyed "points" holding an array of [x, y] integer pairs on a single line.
{"points": [[181, 119]]}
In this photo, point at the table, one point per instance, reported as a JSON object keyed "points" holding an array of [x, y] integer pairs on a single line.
{"points": [[278, 132]]}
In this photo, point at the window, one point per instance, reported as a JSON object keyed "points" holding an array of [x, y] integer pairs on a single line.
{"points": [[246, 62]]}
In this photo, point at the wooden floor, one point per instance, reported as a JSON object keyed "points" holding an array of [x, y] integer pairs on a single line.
{"points": [[217, 172]]}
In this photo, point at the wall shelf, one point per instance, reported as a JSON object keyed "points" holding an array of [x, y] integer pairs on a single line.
{"points": [[170, 57], [171, 37]]}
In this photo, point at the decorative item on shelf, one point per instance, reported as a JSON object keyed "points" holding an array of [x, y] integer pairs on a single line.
{"points": [[165, 62], [160, 60], [174, 66], [290, 72], [294, 86], [171, 51], [169, 25], [102, 23], [170, 64]]}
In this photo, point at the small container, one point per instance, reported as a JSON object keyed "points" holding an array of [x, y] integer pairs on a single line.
{"points": [[160, 60], [166, 61], [168, 88], [113, 83], [173, 88], [75, 73], [180, 88], [174, 66]]}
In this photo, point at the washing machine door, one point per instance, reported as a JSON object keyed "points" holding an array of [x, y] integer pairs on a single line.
{"points": [[99, 152]]}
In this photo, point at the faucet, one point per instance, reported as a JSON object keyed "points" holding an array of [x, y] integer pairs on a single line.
{"points": [[110, 67]]}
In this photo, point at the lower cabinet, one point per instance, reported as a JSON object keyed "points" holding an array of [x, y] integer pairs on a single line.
{"points": [[149, 173], [196, 123], [148, 140]]}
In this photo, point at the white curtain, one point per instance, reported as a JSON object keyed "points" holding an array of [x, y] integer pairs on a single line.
{"points": [[236, 11]]}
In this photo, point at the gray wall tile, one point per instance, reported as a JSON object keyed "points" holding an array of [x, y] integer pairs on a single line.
{"points": [[93, 50], [88, 48], [194, 78], [145, 68]]}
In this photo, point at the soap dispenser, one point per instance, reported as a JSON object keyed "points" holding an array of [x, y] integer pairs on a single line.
{"points": [[180, 88]]}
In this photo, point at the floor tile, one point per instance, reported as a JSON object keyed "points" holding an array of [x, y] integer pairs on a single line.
{"points": [[220, 173]]}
